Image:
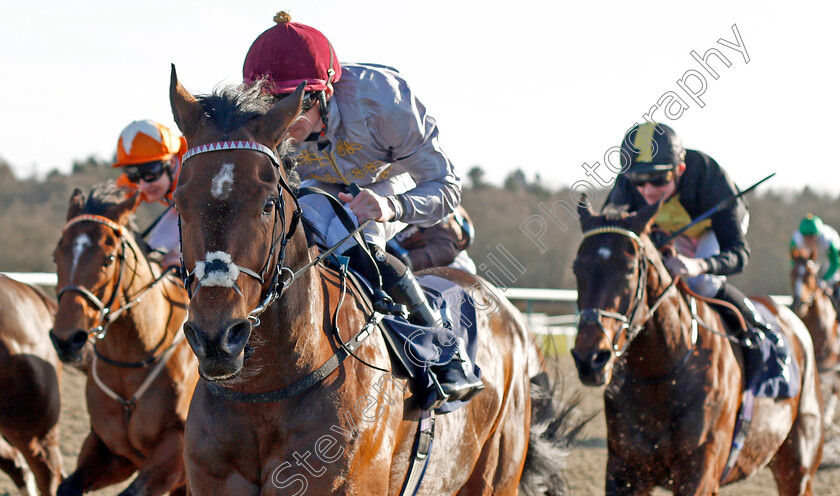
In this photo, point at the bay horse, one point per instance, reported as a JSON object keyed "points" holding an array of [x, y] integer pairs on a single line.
{"points": [[141, 374], [813, 305], [30, 379], [674, 381], [264, 320]]}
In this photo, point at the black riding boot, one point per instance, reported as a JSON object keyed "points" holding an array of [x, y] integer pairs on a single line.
{"points": [[757, 330], [456, 378]]}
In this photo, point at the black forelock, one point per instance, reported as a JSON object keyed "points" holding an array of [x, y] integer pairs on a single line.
{"points": [[104, 196], [234, 106]]}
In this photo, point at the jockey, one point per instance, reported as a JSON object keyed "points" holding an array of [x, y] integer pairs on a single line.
{"points": [[820, 241], [442, 245], [362, 124], [150, 157], [690, 183]]}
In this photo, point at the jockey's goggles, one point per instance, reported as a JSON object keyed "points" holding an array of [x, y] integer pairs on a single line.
{"points": [[310, 98], [655, 178], [149, 172]]}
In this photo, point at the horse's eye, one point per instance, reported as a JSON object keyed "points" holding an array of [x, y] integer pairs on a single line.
{"points": [[269, 206], [109, 260]]}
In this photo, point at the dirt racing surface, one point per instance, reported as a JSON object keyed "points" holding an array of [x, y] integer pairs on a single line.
{"points": [[586, 465], [586, 470]]}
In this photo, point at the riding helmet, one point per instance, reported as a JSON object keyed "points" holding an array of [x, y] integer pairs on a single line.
{"points": [[651, 147], [148, 141], [289, 53]]}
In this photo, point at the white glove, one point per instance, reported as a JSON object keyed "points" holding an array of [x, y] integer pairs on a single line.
{"points": [[686, 267]]}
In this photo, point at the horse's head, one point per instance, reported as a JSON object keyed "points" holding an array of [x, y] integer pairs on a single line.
{"points": [[237, 214], [90, 262], [611, 270], [803, 277]]}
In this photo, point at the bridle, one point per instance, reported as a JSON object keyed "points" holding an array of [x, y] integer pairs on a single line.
{"points": [[798, 283], [107, 315], [276, 285], [627, 319]]}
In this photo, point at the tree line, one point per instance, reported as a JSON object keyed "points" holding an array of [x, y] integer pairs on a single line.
{"points": [[32, 214]]}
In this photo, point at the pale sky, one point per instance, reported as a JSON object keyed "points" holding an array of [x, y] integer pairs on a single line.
{"points": [[530, 84]]}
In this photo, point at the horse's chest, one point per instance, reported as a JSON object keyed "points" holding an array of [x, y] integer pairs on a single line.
{"points": [[657, 425]]}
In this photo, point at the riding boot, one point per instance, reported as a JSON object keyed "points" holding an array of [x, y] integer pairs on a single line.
{"points": [[457, 378], [757, 329], [408, 292]]}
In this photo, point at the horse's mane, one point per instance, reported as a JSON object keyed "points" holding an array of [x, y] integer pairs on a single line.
{"points": [[231, 107], [614, 212], [103, 196]]}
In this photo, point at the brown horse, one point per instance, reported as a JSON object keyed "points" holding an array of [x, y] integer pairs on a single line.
{"points": [[30, 377], [813, 305], [675, 382], [142, 373], [266, 417]]}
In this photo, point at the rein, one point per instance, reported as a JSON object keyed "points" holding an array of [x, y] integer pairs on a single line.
{"points": [[631, 330]]}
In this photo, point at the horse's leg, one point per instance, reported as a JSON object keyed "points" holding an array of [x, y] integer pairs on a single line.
{"points": [[796, 461], [163, 469], [13, 463], [626, 480], [98, 467], [44, 458], [831, 406]]}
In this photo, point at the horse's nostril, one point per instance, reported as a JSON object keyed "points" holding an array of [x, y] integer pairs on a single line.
{"points": [[191, 334], [78, 340], [238, 334], [600, 359]]}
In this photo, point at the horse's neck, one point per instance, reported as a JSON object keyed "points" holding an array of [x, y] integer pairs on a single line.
{"points": [[292, 328], [666, 337], [148, 324]]}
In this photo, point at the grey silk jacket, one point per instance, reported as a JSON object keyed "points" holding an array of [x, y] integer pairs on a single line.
{"points": [[377, 129]]}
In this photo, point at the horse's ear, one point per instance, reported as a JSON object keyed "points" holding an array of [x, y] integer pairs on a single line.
{"points": [[77, 202], [186, 110], [645, 216], [127, 207], [584, 210], [274, 124]]}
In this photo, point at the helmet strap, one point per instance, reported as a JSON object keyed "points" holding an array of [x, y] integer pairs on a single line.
{"points": [[322, 99]]}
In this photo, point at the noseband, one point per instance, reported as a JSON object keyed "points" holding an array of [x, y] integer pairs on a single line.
{"points": [[593, 315], [276, 286]]}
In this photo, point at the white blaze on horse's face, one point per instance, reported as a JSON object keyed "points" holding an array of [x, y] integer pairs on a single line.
{"points": [[217, 269], [222, 183], [80, 244], [604, 252]]}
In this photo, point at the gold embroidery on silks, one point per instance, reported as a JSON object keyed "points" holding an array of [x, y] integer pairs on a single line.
{"points": [[326, 178], [343, 148]]}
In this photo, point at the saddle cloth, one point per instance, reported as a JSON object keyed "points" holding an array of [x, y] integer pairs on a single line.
{"points": [[419, 348], [778, 380]]}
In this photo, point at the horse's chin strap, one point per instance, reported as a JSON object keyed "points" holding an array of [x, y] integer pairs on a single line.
{"points": [[593, 315]]}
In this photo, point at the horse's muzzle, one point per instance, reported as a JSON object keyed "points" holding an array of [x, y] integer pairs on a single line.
{"points": [[591, 366], [70, 350], [220, 355]]}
